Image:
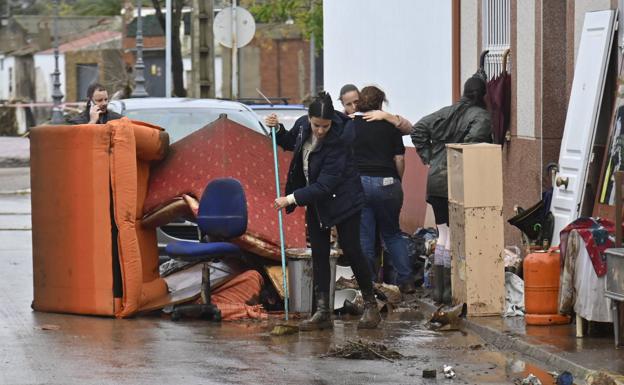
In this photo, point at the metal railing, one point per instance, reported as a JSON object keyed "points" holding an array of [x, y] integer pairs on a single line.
{"points": [[496, 27]]}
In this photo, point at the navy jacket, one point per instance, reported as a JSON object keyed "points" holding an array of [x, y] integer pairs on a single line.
{"points": [[334, 187]]}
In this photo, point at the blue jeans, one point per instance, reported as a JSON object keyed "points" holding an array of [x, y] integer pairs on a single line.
{"points": [[381, 214]]}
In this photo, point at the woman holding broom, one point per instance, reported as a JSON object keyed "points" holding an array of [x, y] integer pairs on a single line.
{"points": [[323, 177]]}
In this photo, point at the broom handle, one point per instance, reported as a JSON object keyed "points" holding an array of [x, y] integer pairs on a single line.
{"points": [[618, 208], [281, 226]]}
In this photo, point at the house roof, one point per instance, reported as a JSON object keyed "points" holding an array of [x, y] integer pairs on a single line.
{"points": [[67, 25], [96, 40]]}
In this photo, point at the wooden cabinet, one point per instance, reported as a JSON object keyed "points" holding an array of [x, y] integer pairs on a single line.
{"points": [[476, 226]]}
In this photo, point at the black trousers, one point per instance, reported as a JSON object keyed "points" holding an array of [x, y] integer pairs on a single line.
{"points": [[349, 238], [440, 209]]}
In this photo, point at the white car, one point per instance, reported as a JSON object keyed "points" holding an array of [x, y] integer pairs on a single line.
{"points": [[286, 113], [183, 116]]}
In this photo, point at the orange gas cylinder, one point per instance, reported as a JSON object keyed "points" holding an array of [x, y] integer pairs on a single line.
{"points": [[541, 288]]}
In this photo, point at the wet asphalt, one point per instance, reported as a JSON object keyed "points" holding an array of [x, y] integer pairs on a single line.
{"points": [[48, 348]]}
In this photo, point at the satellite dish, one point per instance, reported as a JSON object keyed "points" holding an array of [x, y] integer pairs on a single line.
{"points": [[245, 27]]}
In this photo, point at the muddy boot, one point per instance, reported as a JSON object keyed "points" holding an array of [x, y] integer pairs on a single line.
{"points": [[371, 317], [446, 293], [321, 319], [438, 285], [407, 288]]}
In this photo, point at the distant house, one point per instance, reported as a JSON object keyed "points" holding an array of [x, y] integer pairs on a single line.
{"points": [[94, 57], [25, 36], [37, 30], [89, 50]]}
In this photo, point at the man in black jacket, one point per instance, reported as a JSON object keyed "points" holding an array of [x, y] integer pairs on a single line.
{"points": [[96, 111]]}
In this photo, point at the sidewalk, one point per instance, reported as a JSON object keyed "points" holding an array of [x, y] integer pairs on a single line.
{"points": [[554, 346], [14, 151]]}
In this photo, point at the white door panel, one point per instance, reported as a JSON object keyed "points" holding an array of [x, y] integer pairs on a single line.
{"points": [[582, 116]]}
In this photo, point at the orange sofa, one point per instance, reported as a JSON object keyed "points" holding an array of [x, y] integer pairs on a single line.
{"points": [[90, 253]]}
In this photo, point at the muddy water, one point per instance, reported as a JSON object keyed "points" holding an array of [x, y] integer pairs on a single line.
{"points": [[474, 362]]}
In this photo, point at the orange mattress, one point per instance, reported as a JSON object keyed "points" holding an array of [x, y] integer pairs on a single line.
{"points": [[76, 173]]}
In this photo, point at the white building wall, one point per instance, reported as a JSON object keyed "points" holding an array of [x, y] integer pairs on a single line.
{"points": [[7, 82], [187, 66], [469, 36], [219, 77], [44, 67], [403, 46]]}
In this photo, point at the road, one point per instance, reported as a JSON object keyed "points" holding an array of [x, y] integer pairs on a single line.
{"points": [[47, 348]]}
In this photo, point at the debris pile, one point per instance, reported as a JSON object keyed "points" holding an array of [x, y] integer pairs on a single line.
{"points": [[449, 372], [284, 330], [531, 379], [362, 350]]}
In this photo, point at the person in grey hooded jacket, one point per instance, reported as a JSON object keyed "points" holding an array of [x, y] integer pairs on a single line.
{"points": [[466, 121]]}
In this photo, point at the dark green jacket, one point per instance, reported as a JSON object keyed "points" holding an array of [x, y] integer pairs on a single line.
{"points": [[458, 123]]}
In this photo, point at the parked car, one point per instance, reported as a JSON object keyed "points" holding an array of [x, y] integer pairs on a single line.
{"points": [[181, 117], [287, 113]]}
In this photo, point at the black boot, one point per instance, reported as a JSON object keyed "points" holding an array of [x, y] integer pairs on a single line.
{"points": [[447, 297], [321, 319], [407, 288], [371, 317], [438, 286], [351, 308]]}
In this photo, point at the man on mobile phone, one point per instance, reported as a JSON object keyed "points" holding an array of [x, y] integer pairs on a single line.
{"points": [[96, 111]]}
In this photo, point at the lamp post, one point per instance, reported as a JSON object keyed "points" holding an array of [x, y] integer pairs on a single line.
{"points": [[57, 95], [139, 68]]}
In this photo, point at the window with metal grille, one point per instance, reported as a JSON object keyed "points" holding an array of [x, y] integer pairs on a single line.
{"points": [[496, 34]]}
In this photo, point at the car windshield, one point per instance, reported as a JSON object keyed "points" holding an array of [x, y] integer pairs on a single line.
{"points": [[286, 116], [180, 122]]}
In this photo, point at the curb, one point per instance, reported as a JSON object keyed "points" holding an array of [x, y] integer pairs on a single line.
{"points": [[505, 341], [15, 192]]}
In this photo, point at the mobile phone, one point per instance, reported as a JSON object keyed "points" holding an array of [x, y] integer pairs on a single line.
{"points": [[101, 109]]}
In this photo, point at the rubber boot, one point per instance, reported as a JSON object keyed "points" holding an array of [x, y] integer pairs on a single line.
{"points": [[371, 317], [321, 319], [447, 297], [438, 285]]}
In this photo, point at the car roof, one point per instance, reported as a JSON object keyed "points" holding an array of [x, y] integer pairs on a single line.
{"points": [[277, 107], [148, 103]]}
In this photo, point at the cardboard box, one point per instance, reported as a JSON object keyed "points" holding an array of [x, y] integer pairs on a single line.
{"points": [[475, 174]]}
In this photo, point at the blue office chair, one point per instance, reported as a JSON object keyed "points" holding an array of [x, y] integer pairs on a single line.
{"points": [[222, 215]]}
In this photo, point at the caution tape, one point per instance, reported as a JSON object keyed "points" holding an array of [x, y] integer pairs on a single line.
{"points": [[41, 104]]}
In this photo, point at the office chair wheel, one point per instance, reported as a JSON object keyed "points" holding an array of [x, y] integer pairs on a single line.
{"points": [[175, 316], [200, 311]]}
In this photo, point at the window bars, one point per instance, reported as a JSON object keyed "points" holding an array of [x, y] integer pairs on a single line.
{"points": [[496, 23]]}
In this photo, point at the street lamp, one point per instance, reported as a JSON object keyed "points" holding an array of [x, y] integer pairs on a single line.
{"points": [[139, 69], [57, 95]]}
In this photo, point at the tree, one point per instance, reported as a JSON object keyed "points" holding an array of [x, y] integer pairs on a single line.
{"points": [[177, 67], [94, 8], [306, 14]]}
